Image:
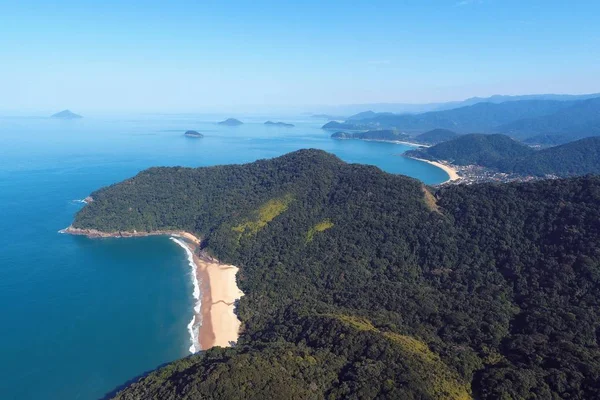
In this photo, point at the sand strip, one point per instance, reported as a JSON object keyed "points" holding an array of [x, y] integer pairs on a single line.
{"points": [[219, 324], [452, 174]]}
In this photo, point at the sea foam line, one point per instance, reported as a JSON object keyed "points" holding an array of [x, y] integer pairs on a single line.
{"points": [[194, 325]]}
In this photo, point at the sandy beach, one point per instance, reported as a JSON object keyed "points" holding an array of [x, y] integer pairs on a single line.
{"points": [[452, 174], [219, 324], [215, 321]]}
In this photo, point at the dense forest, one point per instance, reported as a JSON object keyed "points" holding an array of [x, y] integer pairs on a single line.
{"points": [[500, 152], [363, 284], [479, 149]]}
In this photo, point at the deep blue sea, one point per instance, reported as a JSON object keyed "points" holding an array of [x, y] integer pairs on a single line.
{"points": [[79, 317]]}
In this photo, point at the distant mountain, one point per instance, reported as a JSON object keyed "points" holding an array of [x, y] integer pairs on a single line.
{"points": [[282, 124], [581, 157], [66, 114], [436, 136], [334, 125], [366, 115], [580, 119], [193, 134], [481, 117], [231, 122], [384, 134], [328, 117], [507, 155], [416, 108], [479, 149]]}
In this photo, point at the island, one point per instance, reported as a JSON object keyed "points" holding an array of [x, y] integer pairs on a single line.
{"points": [[281, 124], [358, 283], [231, 122], [66, 114], [193, 134]]}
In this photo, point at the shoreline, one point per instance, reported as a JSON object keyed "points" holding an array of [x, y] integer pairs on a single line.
{"points": [[452, 173], [411, 144], [214, 322]]}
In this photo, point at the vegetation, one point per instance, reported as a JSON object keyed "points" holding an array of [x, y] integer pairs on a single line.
{"points": [[549, 120], [506, 155], [436, 136], [480, 149], [480, 117], [484, 291], [382, 134], [575, 122]]}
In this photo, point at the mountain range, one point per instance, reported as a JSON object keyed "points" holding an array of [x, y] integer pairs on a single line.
{"points": [[534, 121]]}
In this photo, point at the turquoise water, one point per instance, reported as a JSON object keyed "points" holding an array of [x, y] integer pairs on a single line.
{"points": [[80, 316]]}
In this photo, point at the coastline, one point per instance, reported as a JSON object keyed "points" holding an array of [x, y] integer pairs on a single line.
{"points": [[214, 322], [452, 173]]}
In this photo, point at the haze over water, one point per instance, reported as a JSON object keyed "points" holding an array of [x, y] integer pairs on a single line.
{"points": [[80, 316]]}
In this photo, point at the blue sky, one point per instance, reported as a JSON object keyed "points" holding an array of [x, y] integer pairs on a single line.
{"points": [[203, 56]]}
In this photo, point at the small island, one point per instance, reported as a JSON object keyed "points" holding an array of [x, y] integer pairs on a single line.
{"points": [[282, 124], [231, 122], [66, 114], [193, 134]]}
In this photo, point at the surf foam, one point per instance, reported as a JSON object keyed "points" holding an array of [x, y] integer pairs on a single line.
{"points": [[194, 325]]}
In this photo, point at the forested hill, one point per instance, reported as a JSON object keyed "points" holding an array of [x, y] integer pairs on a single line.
{"points": [[362, 284], [480, 149], [436, 136], [506, 155]]}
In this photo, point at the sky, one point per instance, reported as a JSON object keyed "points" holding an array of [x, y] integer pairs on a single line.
{"points": [[205, 56]]}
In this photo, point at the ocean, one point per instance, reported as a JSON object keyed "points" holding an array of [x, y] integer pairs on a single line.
{"points": [[79, 317]]}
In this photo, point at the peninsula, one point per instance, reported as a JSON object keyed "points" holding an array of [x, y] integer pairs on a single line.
{"points": [[360, 283]]}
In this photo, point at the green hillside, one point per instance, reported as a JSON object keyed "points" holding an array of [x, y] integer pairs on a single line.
{"points": [[492, 293]]}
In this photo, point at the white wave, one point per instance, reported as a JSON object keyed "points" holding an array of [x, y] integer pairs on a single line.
{"points": [[194, 325], [81, 201]]}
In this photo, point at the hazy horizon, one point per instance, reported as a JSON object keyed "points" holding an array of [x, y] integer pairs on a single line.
{"points": [[310, 57]]}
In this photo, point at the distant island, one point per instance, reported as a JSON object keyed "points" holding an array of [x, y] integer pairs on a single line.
{"points": [[382, 134], [66, 114], [193, 134], [231, 122], [283, 124]]}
